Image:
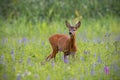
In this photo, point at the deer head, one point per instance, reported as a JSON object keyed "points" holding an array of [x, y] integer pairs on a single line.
{"points": [[73, 29]]}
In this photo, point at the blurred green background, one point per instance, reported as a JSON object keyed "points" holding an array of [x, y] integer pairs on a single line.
{"points": [[26, 25], [58, 9]]}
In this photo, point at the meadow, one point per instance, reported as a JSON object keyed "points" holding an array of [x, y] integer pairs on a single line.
{"points": [[24, 45]]}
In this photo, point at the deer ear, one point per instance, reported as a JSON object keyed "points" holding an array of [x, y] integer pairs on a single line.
{"points": [[67, 24], [78, 24]]}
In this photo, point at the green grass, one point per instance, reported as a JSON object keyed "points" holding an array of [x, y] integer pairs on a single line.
{"points": [[24, 45]]}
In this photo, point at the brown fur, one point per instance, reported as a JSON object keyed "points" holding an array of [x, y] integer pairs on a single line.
{"points": [[64, 43]]}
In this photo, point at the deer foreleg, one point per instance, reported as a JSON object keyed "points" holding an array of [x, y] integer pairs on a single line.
{"points": [[52, 55]]}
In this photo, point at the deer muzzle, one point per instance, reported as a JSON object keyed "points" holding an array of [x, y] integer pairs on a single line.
{"points": [[71, 33]]}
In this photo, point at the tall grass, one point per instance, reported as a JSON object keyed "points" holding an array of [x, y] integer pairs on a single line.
{"points": [[24, 44]]}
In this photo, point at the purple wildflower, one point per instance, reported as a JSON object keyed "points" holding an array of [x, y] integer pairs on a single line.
{"points": [[82, 58], [92, 72], [116, 68], [48, 77], [62, 58], [21, 60], [99, 59], [28, 60], [4, 41], [107, 34], [20, 41], [72, 78], [2, 59], [18, 77], [117, 38], [36, 76], [94, 54], [27, 73], [66, 60], [86, 52], [2, 56], [73, 54], [106, 70], [111, 79], [53, 64], [94, 65], [5, 76], [84, 39], [43, 43], [1, 62], [97, 40], [24, 39], [60, 49], [12, 54]]}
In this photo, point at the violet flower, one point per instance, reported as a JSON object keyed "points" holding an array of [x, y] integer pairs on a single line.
{"points": [[20, 41], [48, 77], [92, 72], [28, 60], [18, 77], [2, 59], [115, 66], [94, 65], [36, 76], [21, 60], [106, 70], [53, 64], [24, 39], [94, 54], [86, 52], [82, 58], [5, 76], [2, 56], [99, 59], [107, 34], [60, 49], [66, 60], [12, 54], [43, 43], [27, 73]]}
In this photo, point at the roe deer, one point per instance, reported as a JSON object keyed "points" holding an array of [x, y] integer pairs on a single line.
{"points": [[64, 43]]}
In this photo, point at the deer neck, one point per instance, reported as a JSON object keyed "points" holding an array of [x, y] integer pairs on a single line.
{"points": [[73, 43]]}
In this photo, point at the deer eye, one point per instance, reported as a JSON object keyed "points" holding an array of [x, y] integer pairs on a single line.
{"points": [[74, 30]]}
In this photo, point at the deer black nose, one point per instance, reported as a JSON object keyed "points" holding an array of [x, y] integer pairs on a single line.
{"points": [[70, 33]]}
